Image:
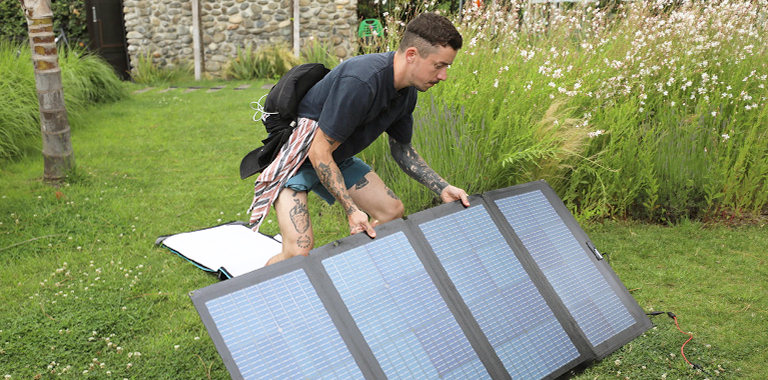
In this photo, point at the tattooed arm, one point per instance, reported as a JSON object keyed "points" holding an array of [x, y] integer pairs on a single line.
{"points": [[415, 166], [321, 155]]}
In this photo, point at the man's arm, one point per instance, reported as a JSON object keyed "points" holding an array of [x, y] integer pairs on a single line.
{"points": [[415, 166], [321, 155]]}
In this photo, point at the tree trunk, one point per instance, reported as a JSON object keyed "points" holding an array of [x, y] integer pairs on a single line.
{"points": [[58, 156]]}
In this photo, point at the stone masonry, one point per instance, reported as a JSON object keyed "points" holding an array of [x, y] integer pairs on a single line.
{"points": [[164, 28]]}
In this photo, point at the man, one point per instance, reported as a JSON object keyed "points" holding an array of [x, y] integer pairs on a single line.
{"points": [[348, 109]]}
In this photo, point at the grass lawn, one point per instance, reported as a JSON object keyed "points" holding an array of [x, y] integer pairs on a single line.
{"points": [[87, 295]]}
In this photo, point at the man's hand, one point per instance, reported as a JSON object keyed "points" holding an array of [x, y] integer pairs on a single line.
{"points": [[452, 193], [358, 222]]}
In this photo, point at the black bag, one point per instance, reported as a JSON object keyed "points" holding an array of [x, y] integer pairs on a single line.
{"points": [[282, 105]]}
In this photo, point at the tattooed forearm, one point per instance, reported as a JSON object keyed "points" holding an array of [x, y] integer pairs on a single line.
{"points": [[333, 180], [415, 166]]}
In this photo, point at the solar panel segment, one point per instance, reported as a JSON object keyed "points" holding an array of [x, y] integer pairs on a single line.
{"points": [[500, 294], [595, 298], [400, 312], [279, 329]]}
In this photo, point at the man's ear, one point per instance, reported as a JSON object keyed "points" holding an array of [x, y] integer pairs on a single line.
{"points": [[411, 53]]}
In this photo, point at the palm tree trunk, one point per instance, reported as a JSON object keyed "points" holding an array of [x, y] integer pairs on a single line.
{"points": [[58, 155]]}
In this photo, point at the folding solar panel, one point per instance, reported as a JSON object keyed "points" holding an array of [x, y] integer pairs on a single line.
{"points": [[509, 288]]}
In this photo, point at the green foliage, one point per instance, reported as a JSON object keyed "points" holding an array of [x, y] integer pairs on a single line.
{"points": [[13, 24], [146, 71], [271, 61], [19, 117], [317, 51], [633, 111], [68, 15], [87, 80], [90, 77]]}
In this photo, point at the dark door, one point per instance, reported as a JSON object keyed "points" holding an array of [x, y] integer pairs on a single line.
{"points": [[106, 28]]}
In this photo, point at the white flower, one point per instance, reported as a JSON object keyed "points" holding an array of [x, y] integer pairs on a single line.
{"points": [[725, 136], [595, 134]]}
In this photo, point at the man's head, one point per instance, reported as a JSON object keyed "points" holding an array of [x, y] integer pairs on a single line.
{"points": [[429, 31], [429, 46]]}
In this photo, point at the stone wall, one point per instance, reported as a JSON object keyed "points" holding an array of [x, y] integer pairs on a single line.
{"points": [[163, 29]]}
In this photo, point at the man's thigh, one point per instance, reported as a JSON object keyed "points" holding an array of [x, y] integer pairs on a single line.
{"points": [[293, 218]]}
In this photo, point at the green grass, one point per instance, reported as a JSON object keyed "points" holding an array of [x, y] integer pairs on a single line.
{"points": [[84, 288]]}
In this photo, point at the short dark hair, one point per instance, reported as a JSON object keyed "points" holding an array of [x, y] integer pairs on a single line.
{"points": [[429, 30]]}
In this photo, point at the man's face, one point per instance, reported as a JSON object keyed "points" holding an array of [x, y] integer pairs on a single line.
{"points": [[430, 70]]}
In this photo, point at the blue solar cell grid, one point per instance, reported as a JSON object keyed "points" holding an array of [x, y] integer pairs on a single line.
{"points": [[278, 329], [511, 312], [400, 312], [586, 294]]}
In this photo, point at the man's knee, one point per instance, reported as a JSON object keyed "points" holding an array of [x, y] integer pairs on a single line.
{"points": [[299, 246], [394, 210]]}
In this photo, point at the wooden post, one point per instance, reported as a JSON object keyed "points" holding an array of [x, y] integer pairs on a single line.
{"points": [[196, 40], [58, 155], [296, 28]]}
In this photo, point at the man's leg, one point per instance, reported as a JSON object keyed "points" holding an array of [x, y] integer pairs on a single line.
{"points": [[295, 226], [376, 199]]}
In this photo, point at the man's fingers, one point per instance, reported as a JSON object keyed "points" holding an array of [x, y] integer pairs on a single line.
{"points": [[370, 231], [367, 228], [464, 199]]}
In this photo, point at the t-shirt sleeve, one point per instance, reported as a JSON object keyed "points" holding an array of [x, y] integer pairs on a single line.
{"points": [[402, 129], [348, 101]]}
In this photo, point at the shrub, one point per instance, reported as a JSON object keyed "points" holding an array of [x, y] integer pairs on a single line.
{"points": [[146, 71], [271, 61], [317, 51], [67, 15]]}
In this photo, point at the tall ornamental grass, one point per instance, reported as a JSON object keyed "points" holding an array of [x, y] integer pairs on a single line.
{"points": [[146, 71], [652, 110], [18, 103], [87, 80]]}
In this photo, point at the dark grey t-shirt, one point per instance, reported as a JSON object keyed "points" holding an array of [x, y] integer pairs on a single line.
{"points": [[357, 102]]}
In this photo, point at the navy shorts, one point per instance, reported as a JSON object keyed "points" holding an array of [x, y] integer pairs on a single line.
{"points": [[353, 169]]}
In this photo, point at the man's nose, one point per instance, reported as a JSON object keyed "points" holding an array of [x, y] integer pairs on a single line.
{"points": [[442, 74]]}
